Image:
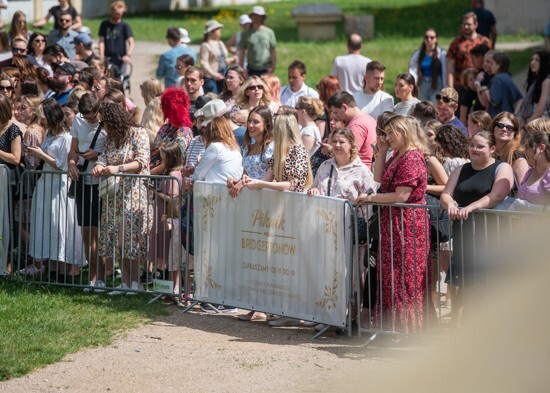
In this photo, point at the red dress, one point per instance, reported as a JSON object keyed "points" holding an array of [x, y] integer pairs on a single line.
{"points": [[406, 242]]}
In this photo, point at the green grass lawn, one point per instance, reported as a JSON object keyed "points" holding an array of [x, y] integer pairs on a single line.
{"points": [[40, 325], [399, 27]]}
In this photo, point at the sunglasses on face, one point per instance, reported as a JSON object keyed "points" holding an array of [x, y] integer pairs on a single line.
{"points": [[17, 50], [445, 99], [39, 41], [255, 87], [6, 88], [430, 37], [178, 67], [65, 20], [506, 127]]}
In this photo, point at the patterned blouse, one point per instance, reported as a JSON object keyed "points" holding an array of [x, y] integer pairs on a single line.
{"points": [[256, 165], [296, 167], [169, 133]]}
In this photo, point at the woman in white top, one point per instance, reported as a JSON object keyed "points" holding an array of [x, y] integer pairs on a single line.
{"points": [[407, 91], [222, 158], [308, 109]]}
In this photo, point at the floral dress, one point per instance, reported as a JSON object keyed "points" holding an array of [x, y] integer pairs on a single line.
{"points": [[168, 133], [256, 165], [128, 213], [296, 168], [405, 245]]}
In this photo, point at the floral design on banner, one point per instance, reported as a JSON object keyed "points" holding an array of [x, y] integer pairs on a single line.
{"points": [[330, 225], [207, 272], [330, 296], [208, 210]]}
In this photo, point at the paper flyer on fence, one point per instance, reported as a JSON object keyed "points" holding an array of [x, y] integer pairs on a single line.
{"points": [[272, 251]]}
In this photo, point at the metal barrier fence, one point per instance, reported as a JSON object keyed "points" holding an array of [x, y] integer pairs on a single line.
{"points": [[418, 285], [398, 286], [122, 242], [6, 221]]}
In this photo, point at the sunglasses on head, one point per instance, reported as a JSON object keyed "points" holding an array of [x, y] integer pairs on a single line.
{"points": [[255, 87], [445, 99], [506, 127]]}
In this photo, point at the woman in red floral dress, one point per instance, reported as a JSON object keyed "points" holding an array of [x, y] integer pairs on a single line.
{"points": [[404, 240]]}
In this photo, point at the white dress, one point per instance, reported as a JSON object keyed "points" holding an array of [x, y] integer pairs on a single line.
{"points": [[55, 235]]}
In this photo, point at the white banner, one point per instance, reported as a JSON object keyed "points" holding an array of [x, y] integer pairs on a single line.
{"points": [[278, 252]]}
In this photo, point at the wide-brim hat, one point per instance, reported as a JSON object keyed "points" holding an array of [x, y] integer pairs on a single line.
{"points": [[184, 36], [212, 25], [213, 109], [258, 10], [244, 20]]}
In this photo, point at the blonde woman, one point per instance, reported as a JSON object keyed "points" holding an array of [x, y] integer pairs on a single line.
{"points": [[152, 119], [308, 109], [150, 88], [274, 84], [254, 92]]}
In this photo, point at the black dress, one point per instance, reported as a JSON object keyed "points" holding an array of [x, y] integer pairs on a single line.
{"points": [[472, 237]]}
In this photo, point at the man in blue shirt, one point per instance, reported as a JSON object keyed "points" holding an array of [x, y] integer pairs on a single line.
{"points": [[64, 36], [62, 82], [167, 62]]}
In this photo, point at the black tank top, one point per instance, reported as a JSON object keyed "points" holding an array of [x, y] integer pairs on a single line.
{"points": [[473, 185]]}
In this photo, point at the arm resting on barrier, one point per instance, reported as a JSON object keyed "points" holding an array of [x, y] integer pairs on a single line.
{"points": [[401, 195]]}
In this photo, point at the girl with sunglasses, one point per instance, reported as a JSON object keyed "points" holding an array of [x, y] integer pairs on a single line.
{"points": [[505, 128], [254, 92]]}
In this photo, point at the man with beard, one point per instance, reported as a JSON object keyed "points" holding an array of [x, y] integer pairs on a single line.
{"points": [[62, 82], [64, 36]]}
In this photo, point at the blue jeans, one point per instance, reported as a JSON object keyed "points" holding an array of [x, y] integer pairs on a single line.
{"points": [[425, 90]]}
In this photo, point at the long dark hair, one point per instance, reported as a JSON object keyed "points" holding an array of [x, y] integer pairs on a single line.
{"points": [[265, 113], [409, 80], [55, 117], [540, 76], [435, 60], [117, 122]]}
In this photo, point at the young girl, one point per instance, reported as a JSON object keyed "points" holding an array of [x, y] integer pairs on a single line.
{"points": [[167, 250]]}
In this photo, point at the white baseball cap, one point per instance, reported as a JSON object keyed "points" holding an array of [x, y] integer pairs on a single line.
{"points": [[244, 19], [258, 10], [184, 36]]}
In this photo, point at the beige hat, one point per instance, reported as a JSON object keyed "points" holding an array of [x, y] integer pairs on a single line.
{"points": [[212, 25], [258, 10], [214, 108]]}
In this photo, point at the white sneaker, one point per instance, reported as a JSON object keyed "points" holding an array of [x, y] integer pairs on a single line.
{"points": [[122, 287], [91, 284], [100, 286], [135, 286]]}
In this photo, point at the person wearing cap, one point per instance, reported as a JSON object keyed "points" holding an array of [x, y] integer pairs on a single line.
{"points": [[258, 43], [218, 108], [214, 57], [233, 43], [167, 61], [447, 104], [64, 35], [63, 74], [83, 46]]}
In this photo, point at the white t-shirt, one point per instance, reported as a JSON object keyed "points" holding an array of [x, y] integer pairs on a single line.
{"points": [[288, 97], [311, 130], [374, 104], [350, 71], [84, 132], [219, 163], [403, 108]]}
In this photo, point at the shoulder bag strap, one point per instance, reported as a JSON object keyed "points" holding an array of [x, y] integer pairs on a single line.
{"points": [[92, 145], [330, 179]]}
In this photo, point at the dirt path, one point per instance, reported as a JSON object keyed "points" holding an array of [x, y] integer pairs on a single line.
{"points": [[197, 352]]}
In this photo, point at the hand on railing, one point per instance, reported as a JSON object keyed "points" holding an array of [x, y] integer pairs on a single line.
{"points": [[234, 186], [73, 171], [312, 191]]}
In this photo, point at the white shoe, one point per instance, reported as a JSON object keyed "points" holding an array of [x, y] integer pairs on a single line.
{"points": [[135, 286], [100, 286], [122, 287]]}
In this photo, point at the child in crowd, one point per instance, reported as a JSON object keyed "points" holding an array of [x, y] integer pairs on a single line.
{"points": [[167, 214]]}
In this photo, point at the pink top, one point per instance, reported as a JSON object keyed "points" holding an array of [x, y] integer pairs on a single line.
{"points": [[363, 127], [538, 192]]}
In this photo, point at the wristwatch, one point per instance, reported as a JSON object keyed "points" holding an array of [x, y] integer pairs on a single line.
{"points": [[121, 168]]}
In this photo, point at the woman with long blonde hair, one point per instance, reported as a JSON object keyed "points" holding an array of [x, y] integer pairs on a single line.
{"points": [[254, 92], [289, 168]]}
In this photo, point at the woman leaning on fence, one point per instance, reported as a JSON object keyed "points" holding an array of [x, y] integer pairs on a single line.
{"points": [[125, 217], [404, 239], [480, 184]]}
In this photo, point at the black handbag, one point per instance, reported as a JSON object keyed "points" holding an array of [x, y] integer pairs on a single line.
{"points": [[76, 186]]}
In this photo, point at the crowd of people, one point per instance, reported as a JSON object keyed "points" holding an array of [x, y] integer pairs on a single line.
{"points": [[462, 135]]}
